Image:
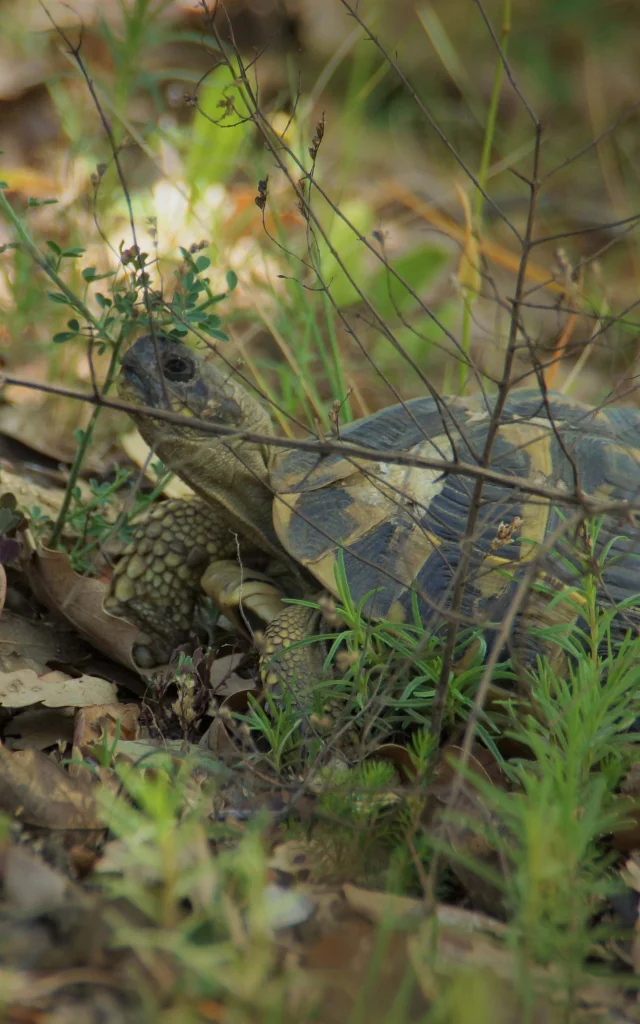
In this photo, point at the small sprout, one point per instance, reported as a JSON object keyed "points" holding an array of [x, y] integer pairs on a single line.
{"points": [[329, 610], [334, 413], [317, 138], [303, 207], [227, 103], [346, 660], [261, 198], [129, 255], [321, 723], [505, 532]]}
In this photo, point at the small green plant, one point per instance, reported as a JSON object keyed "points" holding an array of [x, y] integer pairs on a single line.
{"points": [[93, 519], [384, 674], [550, 826], [206, 915], [359, 808], [279, 721]]}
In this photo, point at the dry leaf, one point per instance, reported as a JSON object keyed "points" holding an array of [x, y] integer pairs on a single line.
{"points": [[22, 688], [79, 599], [383, 906], [48, 428], [379, 906], [29, 494], [29, 883], [138, 451], [192, 858], [471, 828], [224, 679], [95, 723], [398, 756], [39, 728], [33, 787], [354, 965], [25, 644], [218, 737]]}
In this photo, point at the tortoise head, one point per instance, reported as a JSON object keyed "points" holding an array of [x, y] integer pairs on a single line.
{"points": [[165, 374], [162, 373]]}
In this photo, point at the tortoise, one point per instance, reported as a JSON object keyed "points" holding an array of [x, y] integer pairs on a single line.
{"points": [[269, 521]]}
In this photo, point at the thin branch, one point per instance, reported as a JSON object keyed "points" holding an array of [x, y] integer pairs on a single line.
{"points": [[591, 506]]}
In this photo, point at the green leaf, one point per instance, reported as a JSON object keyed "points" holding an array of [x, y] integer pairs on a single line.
{"points": [[73, 325], [214, 149], [54, 247], [208, 320], [202, 263], [232, 280], [57, 297], [63, 336]]}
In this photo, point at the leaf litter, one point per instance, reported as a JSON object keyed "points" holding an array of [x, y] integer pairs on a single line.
{"points": [[333, 934]]}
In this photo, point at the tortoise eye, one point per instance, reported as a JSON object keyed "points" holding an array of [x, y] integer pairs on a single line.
{"points": [[179, 368]]}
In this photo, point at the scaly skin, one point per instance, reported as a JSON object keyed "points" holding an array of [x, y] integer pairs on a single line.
{"points": [[177, 546]]}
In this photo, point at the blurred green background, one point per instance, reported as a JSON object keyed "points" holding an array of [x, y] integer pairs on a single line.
{"points": [[401, 131]]}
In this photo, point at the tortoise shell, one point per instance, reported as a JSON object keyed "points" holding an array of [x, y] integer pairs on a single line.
{"points": [[400, 528]]}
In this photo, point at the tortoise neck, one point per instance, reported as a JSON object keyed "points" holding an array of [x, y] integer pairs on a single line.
{"points": [[233, 475]]}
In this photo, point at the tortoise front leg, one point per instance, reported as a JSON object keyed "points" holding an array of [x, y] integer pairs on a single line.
{"points": [[156, 583]]}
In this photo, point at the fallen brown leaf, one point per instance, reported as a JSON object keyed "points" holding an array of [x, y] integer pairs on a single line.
{"points": [[112, 721], [29, 494], [223, 677], [36, 790], [39, 728], [24, 687], [381, 906], [26, 644], [48, 427], [79, 599], [218, 738], [340, 962], [28, 882]]}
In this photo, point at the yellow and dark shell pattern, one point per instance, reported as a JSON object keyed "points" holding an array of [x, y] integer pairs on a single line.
{"points": [[401, 528]]}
